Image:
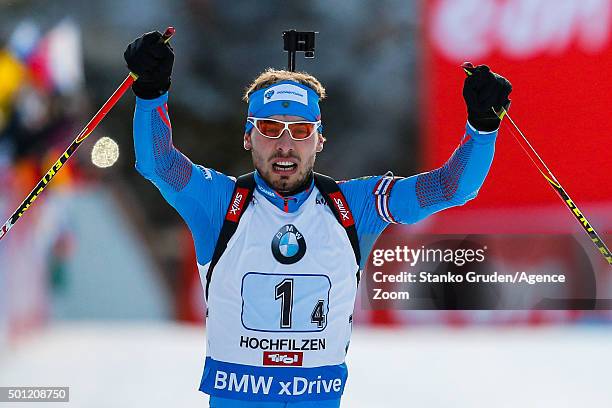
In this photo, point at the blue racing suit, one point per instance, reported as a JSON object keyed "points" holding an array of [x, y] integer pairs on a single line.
{"points": [[202, 195]]}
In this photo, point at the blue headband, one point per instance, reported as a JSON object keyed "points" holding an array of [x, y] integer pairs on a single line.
{"points": [[284, 98]]}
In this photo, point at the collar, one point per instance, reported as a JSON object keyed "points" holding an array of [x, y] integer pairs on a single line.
{"points": [[285, 203]]}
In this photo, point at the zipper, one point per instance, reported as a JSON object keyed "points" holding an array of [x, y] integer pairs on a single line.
{"points": [[286, 201]]}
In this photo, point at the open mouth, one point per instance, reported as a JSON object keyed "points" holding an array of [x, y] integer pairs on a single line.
{"points": [[284, 166]]}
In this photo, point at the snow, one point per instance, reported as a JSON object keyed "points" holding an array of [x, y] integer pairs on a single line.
{"points": [[151, 364]]}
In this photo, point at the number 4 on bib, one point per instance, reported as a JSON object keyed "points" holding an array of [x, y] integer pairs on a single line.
{"points": [[318, 315]]}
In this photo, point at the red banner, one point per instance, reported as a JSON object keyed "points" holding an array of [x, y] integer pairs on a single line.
{"points": [[558, 56]]}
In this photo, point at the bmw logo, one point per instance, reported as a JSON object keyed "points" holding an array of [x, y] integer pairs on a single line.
{"points": [[269, 94], [288, 245]]}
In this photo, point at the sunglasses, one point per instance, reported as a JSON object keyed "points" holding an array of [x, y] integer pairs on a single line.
{"points": [[273, 129]]}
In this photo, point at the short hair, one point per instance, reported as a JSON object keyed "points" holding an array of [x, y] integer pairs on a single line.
{"points": [[271, 76]]}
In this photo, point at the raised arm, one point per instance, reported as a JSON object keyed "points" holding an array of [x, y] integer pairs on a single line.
{"points": [[200, 195], [460, 178], [379, 201], [456, 182], [158, 160]]}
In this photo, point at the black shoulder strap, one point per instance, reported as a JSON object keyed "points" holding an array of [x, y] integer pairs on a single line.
{"points": [[337, 203], [241, 198]]}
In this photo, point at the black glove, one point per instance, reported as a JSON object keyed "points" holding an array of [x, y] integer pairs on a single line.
{"points": [[151, 59], [483, 90]]}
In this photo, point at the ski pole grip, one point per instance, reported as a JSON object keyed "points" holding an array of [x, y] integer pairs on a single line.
{"points": [[468, 67], [168, 34]]}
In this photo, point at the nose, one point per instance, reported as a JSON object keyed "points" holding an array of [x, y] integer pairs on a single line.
{"points": [[285, 143]]}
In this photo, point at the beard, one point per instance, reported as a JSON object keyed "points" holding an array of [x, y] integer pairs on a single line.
{"points": [[279, 182]]}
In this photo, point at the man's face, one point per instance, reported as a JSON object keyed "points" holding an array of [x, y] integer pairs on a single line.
{"points": [[284, 163]]}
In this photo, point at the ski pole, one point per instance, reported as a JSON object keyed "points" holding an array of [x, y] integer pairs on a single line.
{"points": [[87, 130], [552, 180]]}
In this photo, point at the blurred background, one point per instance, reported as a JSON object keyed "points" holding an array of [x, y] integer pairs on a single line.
{"points": [[99, 288]]}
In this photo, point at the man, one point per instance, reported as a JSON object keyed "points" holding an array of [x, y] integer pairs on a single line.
{"points": [[286, 245]]}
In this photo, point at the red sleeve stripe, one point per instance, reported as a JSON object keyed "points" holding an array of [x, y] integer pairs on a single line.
{"points": [[164, 117]]}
